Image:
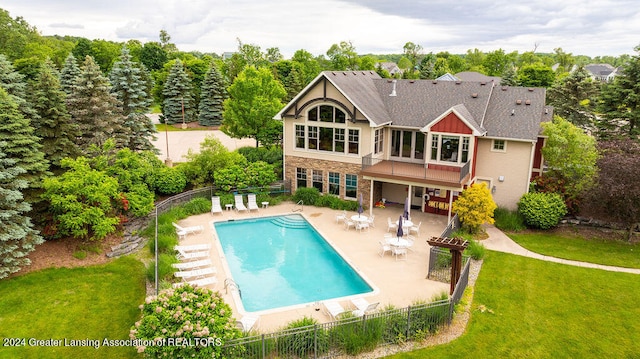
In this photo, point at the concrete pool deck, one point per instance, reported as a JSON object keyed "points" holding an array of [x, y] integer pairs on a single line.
{"points": [[397, 282]]}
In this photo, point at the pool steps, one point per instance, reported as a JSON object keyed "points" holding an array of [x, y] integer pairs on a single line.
{"points": [[290, 222]]}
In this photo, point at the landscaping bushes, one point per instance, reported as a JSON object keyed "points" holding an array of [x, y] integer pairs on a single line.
{"points": [[312, 197], [507, 220], [303, 343], [542, 210]]}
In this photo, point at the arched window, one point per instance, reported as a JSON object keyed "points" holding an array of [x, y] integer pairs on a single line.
{"points": [[326, 130]]}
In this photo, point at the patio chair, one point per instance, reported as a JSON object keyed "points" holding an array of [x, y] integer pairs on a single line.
{"points": [[349, 223], [183, 231], [341, 217], [415, 229], [411, 240], [363, 306], [391, 225], [198, 282], [399, 251], [251, 202], [333, 309], [239, 203], [192, 265], [384, 248], [362, 225], [196, 273], [247, 322], [215, 205], [370, 221]]}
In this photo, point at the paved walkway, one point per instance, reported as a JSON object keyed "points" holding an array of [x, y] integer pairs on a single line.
{"points": [[498, 241]]}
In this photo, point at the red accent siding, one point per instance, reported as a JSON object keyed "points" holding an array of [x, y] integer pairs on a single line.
{"points": [[452, 124], [537, 157]]}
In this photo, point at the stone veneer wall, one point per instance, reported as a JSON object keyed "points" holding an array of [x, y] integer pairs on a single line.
{"points": [[294, 162]]}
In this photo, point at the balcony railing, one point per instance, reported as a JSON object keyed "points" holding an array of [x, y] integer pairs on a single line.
{"points": [[451, 174]]}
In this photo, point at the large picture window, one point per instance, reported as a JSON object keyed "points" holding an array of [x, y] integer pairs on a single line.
{"points": [[450, 148], [324, 136], [351, 186], [407, 144]]}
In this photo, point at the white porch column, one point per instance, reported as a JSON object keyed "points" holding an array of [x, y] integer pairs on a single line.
{"points": [[450, 202], [408, 200], [370, 198]]}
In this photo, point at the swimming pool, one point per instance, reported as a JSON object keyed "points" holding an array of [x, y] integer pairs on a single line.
{"points": [[283, 261]]}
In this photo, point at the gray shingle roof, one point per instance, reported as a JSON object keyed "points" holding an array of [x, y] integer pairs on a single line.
{"points": [[417, 103]]}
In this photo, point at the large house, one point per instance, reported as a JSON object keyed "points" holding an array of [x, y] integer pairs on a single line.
{"points": [[352, 132]]}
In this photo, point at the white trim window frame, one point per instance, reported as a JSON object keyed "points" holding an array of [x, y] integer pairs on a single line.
{"points": [[403, 145], [458, 151], [498, 145]]}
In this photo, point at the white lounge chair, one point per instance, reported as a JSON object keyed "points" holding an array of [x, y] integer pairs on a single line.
{"points": [[215, 205], [192, 265], [239, 203], [183, 231], [186, 255], [247, 322], [251, 202], [333, 309], [391, 225], [196, 273], [363, 306], [193, 247], [198, 282]]}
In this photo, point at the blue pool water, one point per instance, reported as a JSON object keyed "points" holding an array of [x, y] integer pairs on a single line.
{"points": [[282, 261]]}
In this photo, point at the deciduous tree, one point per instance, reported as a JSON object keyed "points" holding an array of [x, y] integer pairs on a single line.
{"points": [[475, 207], [254, 98]]}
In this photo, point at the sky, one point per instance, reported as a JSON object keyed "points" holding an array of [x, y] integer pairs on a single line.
{"points": [[580, 27]]}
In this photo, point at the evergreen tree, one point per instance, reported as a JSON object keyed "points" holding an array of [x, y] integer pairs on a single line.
{"points": [[177, 96], [509, 77], [620, 103], [17, 236], [53, 124], [214, 93], [13, 82], [573, 98], [70, 71], [129, 85], [95, 109], [293, 83], [22, 145]]}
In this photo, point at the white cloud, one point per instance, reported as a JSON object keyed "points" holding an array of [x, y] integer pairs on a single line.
{"points": [[594, 27]]}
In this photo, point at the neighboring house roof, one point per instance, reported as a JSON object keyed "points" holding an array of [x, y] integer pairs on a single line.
{"points": [[489, 109], [391, 67], [600, 69], [477, 77], [447, 77]]}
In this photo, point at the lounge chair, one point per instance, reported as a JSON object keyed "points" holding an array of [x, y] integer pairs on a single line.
{"points": [[187, 255], [333, 309], [247, 322], [215, 205], [251, 202], [196, 273], [239, 203], [193, 247], [391, 225], [363, 306], [192, 265], [198, 282], [183, 231]]}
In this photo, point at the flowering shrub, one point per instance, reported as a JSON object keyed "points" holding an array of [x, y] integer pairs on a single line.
{"points": [[474, 207], [184, 322]]}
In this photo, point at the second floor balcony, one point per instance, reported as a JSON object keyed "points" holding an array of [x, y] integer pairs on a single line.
{"points": [[425, 173]]}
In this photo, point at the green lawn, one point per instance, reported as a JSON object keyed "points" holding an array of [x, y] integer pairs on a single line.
{"points": [[537, 309], [574, 247], [93, 303]]}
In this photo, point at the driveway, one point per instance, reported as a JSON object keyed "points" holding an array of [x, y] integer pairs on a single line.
{"points": [[180, 142]]}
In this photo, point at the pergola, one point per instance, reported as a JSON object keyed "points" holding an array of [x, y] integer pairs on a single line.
{"points": [[456, 246]]}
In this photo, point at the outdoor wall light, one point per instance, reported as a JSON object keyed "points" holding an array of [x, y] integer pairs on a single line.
{"points": [[501, 178], [493, 189]]}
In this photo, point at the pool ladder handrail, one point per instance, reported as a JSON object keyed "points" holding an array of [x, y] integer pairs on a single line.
{"points": [[299, 204], [228, 282]]}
